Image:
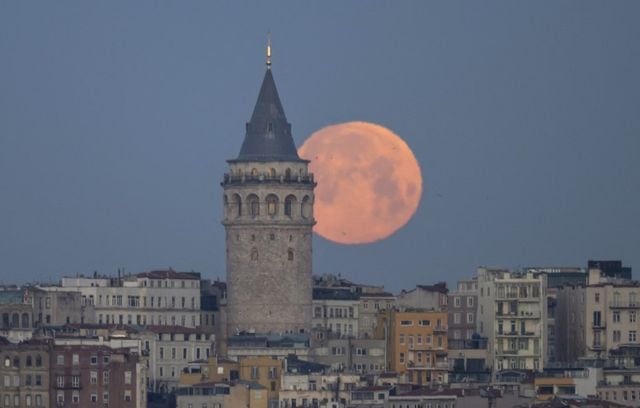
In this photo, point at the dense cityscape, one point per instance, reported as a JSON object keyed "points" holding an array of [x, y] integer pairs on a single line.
{"points": [[273, 334]]}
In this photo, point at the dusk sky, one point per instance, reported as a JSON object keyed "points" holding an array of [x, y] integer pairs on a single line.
{"points": [[116, 119]]}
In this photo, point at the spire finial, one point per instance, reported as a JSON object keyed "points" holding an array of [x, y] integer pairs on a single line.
{"points": [[269, 50]]}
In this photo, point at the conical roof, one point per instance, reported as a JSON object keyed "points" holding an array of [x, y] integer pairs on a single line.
{"points": [[268, 134]]}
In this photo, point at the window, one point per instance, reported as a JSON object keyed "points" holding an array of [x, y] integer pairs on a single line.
{"points": [[127, 377], [401, 338], [616, 316], [456, 318], [28, 362], [75, 359], [456, 301], [255, 374], [105, 397], [469, 317], [254, 206], [272, 205], [401, 358], [597, 298], [38, 360], [632, 316], [75, 381], [38, 379], [94, 377], [38, 400], [290, 254], [406, 322], [470, 301], [127, 395], [632, 336], [424, 322], [288, 205], [60, 381], [105, 360], [105, 377], [59, 398], [94, 360], [94, 397]]}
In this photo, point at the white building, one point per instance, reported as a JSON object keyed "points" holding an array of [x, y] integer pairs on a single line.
{"points": [[512, 313], [165, 298]]}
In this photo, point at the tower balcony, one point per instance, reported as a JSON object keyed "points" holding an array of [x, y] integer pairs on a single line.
{"points": [[249, 179]]}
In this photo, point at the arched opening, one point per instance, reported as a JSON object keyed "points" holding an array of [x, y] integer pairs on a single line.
{"points": [[38, 360], [15, 320], [254, 205], [237, 205], [289, 204], [287, 174], [254, 172], [306, 207], [16, 362], [272, 205], [616, 298], [225, 203], [5, 320], [25, 321], [254, 254], [290, 254], [29, 361], [272, 172]]}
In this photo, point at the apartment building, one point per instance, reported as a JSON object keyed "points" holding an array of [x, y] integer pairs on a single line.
{"points": [[16, 311], [427, 297], [462, 306], [599, 319], [86, 375], [512, 315], [24, 372], [165, 298], [368, 307], [336, 311], [416, 344]]}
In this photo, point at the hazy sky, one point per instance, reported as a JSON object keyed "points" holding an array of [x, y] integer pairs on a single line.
{"points": [[116, 119]]}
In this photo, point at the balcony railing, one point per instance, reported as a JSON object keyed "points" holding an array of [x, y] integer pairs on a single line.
{"points": [[440, 328], [624, 305], [261, 178]]}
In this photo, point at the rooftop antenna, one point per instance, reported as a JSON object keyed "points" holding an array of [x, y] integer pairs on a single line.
{"points": [[269, 50]]}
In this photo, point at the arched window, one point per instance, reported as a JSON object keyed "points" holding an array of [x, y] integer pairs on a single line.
{"points": [[38, 360], [15, 320], [287, 174], [237, 205], [306, 207], [254, 205], [16, 362], [632, 299], [272, 172], [7, 361], [254, 254], [289, 203], [272, 205], [25, 320], [5, 320], [254, 172], [290, 254], [29, 361]]}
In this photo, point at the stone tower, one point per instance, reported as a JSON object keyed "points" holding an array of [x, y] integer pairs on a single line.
{"points": [[268, 217]]}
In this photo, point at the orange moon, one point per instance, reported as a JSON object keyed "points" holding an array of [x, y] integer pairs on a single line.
{"points": [[369, 182]]}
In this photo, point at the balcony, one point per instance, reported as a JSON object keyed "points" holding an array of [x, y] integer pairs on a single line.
{"points": [[264, 178], [624, 305], [534, 333], [598, 326], [440, 329]]}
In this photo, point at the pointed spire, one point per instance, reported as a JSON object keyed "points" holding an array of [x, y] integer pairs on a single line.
{"points": [[268, 134]]}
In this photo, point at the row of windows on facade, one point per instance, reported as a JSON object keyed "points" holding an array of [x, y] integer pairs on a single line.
{"points": [[15, 321], [272, 373], [514, 328], [255, 255], [74, 380], [457, 301], [513, 345], [134, 301], [423, 322], [426, 405], [141, 320], [428, 338], [615, 317], [515, 291], [457, 334], [15, 380], [376, 305], [29, 400], [75, 397], [618, 299], [272, 204], [338, 312], [517, 364], [427, 361], [616, 337], [75, 359], [196, 354], [348, 329], [29, 361], [626, 395], [169, 283]]}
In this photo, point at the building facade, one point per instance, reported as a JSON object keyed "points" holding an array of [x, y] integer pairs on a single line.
{"points": [[24, 373], [512, 312], [268, 217], [165, 298]]}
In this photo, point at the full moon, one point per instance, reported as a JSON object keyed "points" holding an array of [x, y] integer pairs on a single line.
{"points": [[369, 182]]}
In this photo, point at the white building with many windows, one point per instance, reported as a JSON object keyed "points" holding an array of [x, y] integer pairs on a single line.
{"points": [[164, 298], [512, 312]]}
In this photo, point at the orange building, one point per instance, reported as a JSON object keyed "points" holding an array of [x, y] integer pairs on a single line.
{"points": [[416, 344]]}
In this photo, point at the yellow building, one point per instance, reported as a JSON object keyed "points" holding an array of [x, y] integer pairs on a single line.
{"points": [[215, 369], [265, 371], [416, 344]]}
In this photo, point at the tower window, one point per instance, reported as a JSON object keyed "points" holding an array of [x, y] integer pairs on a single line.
{"points": [[254, 254], [288, 205], [272, 237], [254, 205], [272, 205], [270, 127], [290, 254]]}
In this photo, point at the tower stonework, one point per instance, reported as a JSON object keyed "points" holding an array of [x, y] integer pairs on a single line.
{"points": [[268, 219]]}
